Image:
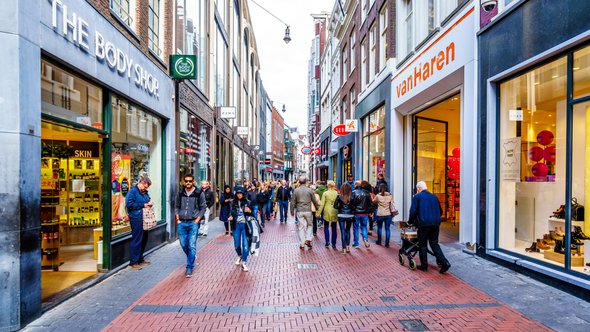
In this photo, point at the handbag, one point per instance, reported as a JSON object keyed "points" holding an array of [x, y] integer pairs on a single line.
{"points": [[149, 218], [393, 209]]}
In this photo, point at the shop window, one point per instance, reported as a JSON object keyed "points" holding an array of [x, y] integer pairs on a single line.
{"points": [[195, 147], [531, 161], [374, 145], [581, 69], [137, 150], [69, 97]]}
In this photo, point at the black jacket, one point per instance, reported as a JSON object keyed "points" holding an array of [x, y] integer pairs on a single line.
{"points": [[190, 207], [252, 196], [243, 203], [342, 207], [263, 197], [283, 194], [360, 202], [209, 197], [225, 196]]}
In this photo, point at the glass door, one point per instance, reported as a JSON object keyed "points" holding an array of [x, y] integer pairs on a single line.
{"points": [[430, 156]]}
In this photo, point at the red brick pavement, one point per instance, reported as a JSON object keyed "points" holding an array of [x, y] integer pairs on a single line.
{"points": [[342, 286]]}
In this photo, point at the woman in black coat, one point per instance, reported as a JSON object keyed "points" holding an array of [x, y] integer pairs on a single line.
{"points": [[225, 200]]}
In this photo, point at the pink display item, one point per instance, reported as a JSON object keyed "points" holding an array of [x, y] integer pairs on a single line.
{"points": [[536, 153], [540, 169], [545, 137], [549, 154], [456, 152]]}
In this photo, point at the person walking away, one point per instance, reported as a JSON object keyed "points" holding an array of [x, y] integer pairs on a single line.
{"points": [[345, 215], [368, 188], [225, 200], [321, 189], [330, 214], [263, 199], [380, 181], [240, 209], [313, 211], [190, 208], [425, 212], [362, 208], [384, 202], [210, 199], [283, 197], [270, 206], [303, 198], [137, 199], [252, 197]]}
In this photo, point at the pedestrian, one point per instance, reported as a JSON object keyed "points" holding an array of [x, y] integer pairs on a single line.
{"points": [[225, 200], [240, 210], [380, 181], [350, 180], [252, 197], [137, 199], [190, 208], [362, 207], [303, 199], [282, 197], [425, 212], [330, 214], [210, 199], [345, 215], [385, 211], [270, 207], [321, 188], [239, 186], [313, 211], [263, 199], [368, 188]]}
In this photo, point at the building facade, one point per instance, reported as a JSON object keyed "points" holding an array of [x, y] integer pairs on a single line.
{"points": [[278, 146]]}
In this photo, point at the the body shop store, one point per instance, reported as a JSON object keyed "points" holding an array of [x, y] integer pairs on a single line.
{"points": [[103, 102]]}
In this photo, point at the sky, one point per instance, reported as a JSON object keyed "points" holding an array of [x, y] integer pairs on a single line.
{"points": [[283, 67]]}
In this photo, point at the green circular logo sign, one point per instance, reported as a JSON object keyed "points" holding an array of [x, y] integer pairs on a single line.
{"points": [[184, 66]]}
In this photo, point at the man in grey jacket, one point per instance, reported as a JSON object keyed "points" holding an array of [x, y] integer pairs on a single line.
{"points": [[190, 208], [302, 199]]}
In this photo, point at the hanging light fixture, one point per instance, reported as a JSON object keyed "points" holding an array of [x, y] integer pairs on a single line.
{"points": [[287, 37], [284, 108]]}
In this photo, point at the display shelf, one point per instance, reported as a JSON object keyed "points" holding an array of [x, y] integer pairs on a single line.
{"points": [[50, 224]]}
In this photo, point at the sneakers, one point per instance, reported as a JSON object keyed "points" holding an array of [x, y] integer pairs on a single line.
{"points": [[367, 245], [239, 260], [245, 267], [308, 243], [135, 266], [189, 273], [144, 262]]}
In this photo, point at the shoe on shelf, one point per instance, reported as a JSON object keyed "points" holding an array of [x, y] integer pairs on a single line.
{"points": [[444, 268], [541, 245], [555, 237], [559, 247], [144, 262], [532, 248], [239, 260], [548, 240], [135, 266], [559, 231], [367, 245], [580, 234], [245, 267], [189, 273]]}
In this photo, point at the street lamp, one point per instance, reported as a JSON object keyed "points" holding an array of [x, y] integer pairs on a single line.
{"points": [[287, 37]]}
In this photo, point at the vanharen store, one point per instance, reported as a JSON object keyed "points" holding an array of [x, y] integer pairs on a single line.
{"points": [[85, 112]]}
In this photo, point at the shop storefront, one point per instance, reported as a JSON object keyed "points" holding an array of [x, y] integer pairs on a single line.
{"points": [[103, 122], [538, 129], [195, 147], [433, 96]]}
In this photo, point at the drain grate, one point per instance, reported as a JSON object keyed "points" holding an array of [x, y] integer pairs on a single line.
{"points": [[413, 325], [388, 298], [307, 266]]}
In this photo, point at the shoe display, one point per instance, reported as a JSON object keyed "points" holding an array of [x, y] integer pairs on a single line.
{"points": [[580, 234], [548, 240], [541, 245], [238, 260], [559, 231], [560, 212], [532, 248], [559, 247], [554, 236]]}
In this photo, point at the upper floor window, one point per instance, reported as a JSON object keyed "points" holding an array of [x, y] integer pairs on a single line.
{"points": [[236, 28], [192, 25], [383, 38], [363, 63], [344, 64], [155, 27], [125, 10], [364, 9], [222, 10], [352, 50], [372, 47]]}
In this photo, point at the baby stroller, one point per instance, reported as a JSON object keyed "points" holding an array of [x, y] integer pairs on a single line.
{"points": [[409, 249]]}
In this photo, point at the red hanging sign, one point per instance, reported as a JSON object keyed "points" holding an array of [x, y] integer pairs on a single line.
{"points": [[340, 130]]}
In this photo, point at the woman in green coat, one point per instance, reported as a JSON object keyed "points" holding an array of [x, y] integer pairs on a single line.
{"points": [[330, 213]]}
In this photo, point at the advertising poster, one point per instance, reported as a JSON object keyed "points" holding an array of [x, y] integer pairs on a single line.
{"points": [[121, 173], [510, 159]]}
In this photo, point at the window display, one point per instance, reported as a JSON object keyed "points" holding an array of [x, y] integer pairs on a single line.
{"points": [[374, 145], [137, 150], [195, 146]]}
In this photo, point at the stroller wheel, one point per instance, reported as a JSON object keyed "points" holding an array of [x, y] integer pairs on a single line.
{"points": [[401, 258], [412, 264]]}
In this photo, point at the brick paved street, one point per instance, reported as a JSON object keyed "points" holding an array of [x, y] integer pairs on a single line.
{"points": [[366, 290]]}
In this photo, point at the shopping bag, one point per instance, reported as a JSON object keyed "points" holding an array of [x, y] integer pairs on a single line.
{"points": [[149, 218]]}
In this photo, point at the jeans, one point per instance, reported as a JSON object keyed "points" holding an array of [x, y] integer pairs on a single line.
{"points": [[268, 209], [262, 209], [315, 223], [345, 224], [283, 206], [387, 221], [139, 239], [330, 240], [187, 235], [305, 226], [255, 212], [204, 225], [361, 221], [241, 241], [429, 235]]}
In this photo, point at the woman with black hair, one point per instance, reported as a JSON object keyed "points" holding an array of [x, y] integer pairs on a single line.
{"points": [[225, 200], [345, 215], [240, 210]]}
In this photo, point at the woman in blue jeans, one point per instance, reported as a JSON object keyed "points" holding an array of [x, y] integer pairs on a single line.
{"points": [[345, 215], [240, 210], [385, 211]]}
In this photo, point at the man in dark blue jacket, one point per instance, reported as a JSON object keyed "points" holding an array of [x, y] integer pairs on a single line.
{"points": [[425, 213]]}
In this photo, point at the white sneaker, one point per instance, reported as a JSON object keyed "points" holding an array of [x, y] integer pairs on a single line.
{"points": [[239, 260], [245, 268]]}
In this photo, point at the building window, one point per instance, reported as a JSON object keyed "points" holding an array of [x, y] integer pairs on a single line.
{"points": [[374, 145], [344, 114], [352, 50], [344, 64], [372, 45], [351, 114], [195, 147], [363, 64], [191, 23], [221, 6], [406, 31], [154, 26], [364, 5], [125, 10], [220, 68], [383, 38], [236, 31]]}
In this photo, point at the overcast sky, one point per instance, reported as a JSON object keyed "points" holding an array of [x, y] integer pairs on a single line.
{"points": [[284, 66]]}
